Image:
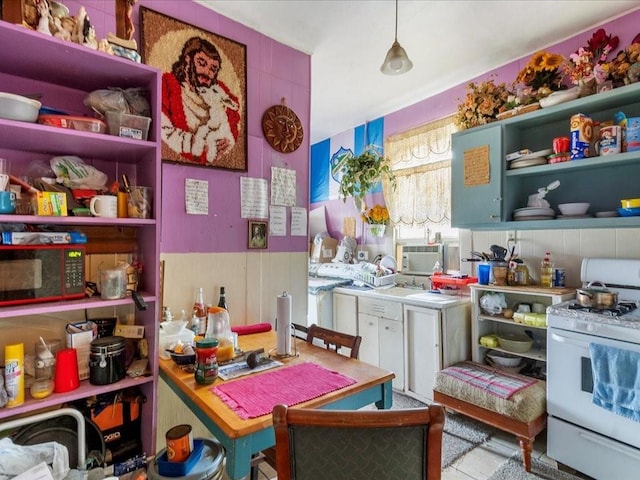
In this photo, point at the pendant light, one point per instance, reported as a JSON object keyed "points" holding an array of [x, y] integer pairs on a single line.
{"points": [[396, 61]]}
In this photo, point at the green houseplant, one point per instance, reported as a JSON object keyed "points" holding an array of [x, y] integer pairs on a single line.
{"points": [[360, 173]]}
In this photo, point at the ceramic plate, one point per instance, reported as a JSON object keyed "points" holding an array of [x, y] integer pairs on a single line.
{"points": [[528, 211], [611, 213], [534, 217], [540, 153], [530, 162], [567, 217]]}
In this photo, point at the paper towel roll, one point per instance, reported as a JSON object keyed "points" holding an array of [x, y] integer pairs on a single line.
{"points": [[283, 324]]}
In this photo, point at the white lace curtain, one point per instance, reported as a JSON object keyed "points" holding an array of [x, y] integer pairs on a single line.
{"points": [[421, 161]]}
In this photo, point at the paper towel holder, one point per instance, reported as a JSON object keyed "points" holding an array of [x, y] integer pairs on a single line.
{"points": [[278, 356]]}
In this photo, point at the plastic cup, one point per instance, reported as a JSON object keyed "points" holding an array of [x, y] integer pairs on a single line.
{"points": [[66, 376], [484, 273]]}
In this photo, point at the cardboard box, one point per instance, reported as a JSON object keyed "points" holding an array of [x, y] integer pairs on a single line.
{"points": [[324, 249], [51, 204], [129, 331], [79, 336]]}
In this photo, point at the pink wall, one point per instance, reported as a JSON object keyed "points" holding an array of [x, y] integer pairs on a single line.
{"points": [[274, 71]]}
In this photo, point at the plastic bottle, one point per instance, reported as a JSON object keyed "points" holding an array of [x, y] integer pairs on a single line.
{"points": [[220, 328], [222, 302], [546, 271], [195, 323], [14, 374]]}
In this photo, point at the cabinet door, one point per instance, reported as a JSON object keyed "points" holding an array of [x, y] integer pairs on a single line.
{"points": [[345, 313], [391, 349], [476, 177], [368, 330], [423, 350]]}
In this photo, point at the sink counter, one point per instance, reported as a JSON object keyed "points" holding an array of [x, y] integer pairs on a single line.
{"points": [[409, 296]]}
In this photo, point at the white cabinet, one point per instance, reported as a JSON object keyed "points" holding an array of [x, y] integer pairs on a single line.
{"points": [[484, 324], [345, 313], [435, 339], [381, 327]]}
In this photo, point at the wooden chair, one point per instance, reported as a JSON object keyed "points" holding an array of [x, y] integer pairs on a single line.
{"points": [[314, 444], [335, 340]]}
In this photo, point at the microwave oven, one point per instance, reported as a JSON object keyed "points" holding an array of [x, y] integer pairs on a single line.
{"points": [[41, 273]]}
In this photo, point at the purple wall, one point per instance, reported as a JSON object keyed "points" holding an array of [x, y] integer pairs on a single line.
{"points": [[274, 71]]}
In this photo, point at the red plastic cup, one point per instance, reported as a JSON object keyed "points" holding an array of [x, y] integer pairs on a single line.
{"points": [[66, 378], [561, 144]]}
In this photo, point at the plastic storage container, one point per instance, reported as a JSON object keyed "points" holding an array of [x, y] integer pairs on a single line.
{"points": [[85, 124], [210, 464], [129, 126]]}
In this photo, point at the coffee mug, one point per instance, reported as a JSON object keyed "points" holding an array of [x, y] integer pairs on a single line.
{"points": [[537, 307], [104, 206], [7, 202], [66, 371]]}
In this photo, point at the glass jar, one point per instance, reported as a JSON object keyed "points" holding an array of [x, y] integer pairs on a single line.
{"points": [[206, 361], [521, 274], [218, 327]]}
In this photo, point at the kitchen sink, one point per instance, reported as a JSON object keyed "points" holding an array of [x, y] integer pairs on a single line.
{"points": [[432, 297]]}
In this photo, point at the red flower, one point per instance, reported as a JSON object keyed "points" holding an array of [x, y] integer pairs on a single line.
{"points": [[601, 45]]}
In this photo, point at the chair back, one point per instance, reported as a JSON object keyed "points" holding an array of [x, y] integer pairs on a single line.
{"points": [[315, 444], [335, 340]]}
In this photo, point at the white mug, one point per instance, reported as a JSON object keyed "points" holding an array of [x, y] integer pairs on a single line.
{"points": [[537, 307], [104, 206]]}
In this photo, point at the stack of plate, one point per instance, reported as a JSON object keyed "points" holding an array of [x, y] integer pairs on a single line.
{"points": [[530, 160], [534, 213]]}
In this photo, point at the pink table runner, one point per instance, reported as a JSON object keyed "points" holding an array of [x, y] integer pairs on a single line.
{"points": [[256, 396]]}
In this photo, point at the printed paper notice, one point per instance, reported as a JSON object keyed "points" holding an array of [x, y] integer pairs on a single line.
{"points": [[277, 221], [253, 197], [196, 196], [283, 187], [475, 162], [298, 222]]}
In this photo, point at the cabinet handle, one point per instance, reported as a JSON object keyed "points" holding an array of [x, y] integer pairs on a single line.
{"points": [[493, 217]]}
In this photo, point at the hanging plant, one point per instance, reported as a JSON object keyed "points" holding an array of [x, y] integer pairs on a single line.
{"points": [[360, 173]]}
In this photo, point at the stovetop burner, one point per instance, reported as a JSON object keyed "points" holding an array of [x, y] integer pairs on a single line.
{"points": [[620, 309]]}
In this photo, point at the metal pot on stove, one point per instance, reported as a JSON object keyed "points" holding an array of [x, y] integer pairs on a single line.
{"points": [[596, 296]]}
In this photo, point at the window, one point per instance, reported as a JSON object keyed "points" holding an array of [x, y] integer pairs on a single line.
{"points": [[421, 161]]}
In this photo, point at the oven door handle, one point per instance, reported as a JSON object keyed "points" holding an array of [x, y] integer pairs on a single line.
{"points": [[623, 449], [570, 341]]}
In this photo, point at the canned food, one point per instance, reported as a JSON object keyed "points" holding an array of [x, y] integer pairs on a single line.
{"points": [[581, 135], [558, 277], [179, 443]]}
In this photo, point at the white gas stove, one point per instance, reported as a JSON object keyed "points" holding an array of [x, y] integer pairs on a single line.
{"points": [[581, 434]]}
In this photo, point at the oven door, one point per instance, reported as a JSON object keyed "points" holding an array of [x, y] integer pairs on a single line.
{"points": [[570, 385]]}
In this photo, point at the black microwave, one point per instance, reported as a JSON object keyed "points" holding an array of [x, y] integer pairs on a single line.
{"points": [[41, 273]]}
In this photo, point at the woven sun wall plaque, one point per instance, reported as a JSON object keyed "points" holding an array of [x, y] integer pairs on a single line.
{"points": [[204, 92]]}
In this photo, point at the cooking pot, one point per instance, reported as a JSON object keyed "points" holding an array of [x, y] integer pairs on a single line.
{"points": [[599, 297]]}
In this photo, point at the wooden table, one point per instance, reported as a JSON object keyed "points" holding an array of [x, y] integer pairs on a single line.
{"points": [[244, 438]]}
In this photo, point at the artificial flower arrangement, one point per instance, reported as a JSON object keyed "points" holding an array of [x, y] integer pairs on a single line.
{"points": [[377, 215], [482, 103], [588, 66], [542, 74], [625, 67]]}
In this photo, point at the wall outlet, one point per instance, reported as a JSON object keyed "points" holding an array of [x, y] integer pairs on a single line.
{"points": [[512, 236], [363, 255]]}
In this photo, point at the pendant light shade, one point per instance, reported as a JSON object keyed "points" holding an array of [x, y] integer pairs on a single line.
{"points": [[396, 62]]}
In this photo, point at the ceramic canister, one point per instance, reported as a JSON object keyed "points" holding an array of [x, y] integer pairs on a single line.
{"points": [[107, 360], [581, 133]]}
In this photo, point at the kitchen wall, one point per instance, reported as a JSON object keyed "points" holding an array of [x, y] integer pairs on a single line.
{"points": [[567, 247]]}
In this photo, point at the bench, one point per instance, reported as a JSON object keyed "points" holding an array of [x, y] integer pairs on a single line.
{"points": [[465, 388]]}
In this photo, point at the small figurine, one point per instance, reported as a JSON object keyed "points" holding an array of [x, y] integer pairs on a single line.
{"points": [[44, 17], [90, 39], [78, 31], [65, 27], [129, 28]]}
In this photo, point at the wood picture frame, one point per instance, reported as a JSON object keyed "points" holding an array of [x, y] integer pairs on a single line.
{"points": [[258, 234], [204, 92]]}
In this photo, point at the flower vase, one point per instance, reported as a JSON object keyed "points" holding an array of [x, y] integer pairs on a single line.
{"points": [[586, 87], [376, 230]]}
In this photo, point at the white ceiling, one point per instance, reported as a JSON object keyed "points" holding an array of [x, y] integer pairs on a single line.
{"points": [[449, 42]]}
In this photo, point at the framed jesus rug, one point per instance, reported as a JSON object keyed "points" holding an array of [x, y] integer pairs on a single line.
{"points": [[204, 92]]}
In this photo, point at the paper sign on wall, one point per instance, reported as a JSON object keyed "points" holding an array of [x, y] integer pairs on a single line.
{"points": [[196, 196], [475, 163], [298, 222], [277, 221], [253, 198], [283, 186]]}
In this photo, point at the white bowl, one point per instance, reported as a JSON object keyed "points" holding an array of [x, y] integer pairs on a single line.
{"points": [[513, 342], [573, 208], [504, 359], [17, 107], [173, 327]]}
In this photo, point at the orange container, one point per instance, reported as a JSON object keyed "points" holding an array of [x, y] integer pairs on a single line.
{"points": [[85, 124], [179, 443]]}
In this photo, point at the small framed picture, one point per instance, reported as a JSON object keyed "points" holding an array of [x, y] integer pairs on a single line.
{"points": [[258, 237]]}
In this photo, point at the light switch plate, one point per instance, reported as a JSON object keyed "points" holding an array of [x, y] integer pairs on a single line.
{"points": [[363, 255]]}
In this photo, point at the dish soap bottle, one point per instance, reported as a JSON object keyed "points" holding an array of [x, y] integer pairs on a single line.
{"points": [[546, 271]]}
